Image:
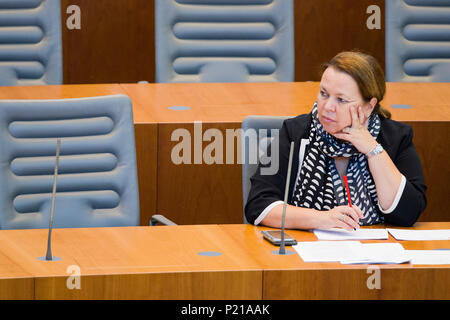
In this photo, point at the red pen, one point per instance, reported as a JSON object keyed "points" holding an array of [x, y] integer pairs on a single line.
{"points": [[348, 194]]}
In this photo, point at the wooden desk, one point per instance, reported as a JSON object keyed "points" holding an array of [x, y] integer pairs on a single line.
{"points": [[288, 277], [163, 263], [128, 263], [203, 193], [232, 102]]}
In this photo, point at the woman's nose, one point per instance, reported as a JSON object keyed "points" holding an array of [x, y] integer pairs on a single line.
{"points": [[330, 105]]}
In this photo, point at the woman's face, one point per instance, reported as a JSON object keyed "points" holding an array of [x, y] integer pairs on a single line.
{"points": [[338, 91]]}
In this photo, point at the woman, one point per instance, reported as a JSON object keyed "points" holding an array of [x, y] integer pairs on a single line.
{"points": [[346, 133]]}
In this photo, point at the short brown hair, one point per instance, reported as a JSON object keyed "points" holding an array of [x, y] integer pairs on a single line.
{"points": [[367, 73]]}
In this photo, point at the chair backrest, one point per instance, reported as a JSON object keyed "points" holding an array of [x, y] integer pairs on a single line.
{"points": [[224, 40], [97, 176], [30, 42], [258, 132], [418, 40]]}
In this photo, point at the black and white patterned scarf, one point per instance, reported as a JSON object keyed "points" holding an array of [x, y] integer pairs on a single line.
{"points": [[319, 185]]}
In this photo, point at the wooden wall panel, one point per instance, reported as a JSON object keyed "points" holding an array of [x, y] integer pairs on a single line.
{"points": [[114, 45], [431, 140], [197, 193], [17, 289], [405, 284], [146, 137], [116, 40], [221, 285], [325, 27]]}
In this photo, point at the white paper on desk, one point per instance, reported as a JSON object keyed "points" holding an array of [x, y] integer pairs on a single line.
{"points": [[405, 234], [360, 234], [328, 251], [429, 256], [351, 252], [380, 253]]}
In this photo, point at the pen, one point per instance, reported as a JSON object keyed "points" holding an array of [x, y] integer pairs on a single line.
{"points": [[348, 193]]}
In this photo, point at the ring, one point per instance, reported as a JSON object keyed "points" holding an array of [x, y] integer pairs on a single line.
{"points": [[342, 217], [346, 129]]}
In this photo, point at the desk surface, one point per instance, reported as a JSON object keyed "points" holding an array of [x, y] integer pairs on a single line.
{"points": [[163, 263], [231, 102], [121, 250], [252, 241]]}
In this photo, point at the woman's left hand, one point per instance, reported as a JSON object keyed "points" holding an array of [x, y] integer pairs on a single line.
{"points": [[357, 133]]}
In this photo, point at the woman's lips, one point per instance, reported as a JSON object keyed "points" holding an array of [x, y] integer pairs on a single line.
{"points": [[329, 120]]}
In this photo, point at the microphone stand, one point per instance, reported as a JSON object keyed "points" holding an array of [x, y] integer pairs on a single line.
{"points": [[48, 256], [282, 250]]}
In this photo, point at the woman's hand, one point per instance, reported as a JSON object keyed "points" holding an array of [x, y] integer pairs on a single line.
{"points": [[344, 217], [357, 133]]}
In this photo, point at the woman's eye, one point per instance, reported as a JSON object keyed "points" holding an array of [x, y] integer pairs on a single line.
{"points": [[323, 94], [342, 100]]}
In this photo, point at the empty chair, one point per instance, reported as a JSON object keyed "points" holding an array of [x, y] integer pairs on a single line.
{"points": [[258, 141], [97, 178], [224, 40], [418, 40], [30, 42]]}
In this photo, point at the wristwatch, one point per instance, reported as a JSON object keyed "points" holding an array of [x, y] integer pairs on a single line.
{"points": [[377, 150]]}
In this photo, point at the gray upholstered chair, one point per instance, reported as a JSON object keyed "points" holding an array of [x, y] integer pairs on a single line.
{"points": [[258, 132], [97, 183], [418, 40], [224, 41], [30, 42]]}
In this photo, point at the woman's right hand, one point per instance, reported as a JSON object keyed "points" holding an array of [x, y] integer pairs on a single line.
{"points": [[344, 217]]}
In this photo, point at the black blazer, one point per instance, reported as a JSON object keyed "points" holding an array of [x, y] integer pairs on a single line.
{"points": [[396, 139]]}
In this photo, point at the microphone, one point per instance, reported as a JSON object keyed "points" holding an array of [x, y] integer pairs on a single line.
{"points": [[48, 256], [286, 192]]}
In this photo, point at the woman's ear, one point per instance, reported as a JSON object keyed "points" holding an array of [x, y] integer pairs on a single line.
{"points": [[370, 106]]}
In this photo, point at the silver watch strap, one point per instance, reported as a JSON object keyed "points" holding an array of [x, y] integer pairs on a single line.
{"points": [[376, 150]]}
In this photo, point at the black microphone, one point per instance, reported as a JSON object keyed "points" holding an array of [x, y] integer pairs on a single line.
{"points": [[48, 256], [286, 192]]}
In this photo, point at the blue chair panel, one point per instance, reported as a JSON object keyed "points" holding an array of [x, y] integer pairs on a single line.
{"points": [[418, 40], [97, 176], [224, 40], [258, 133], [30, 42]]}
